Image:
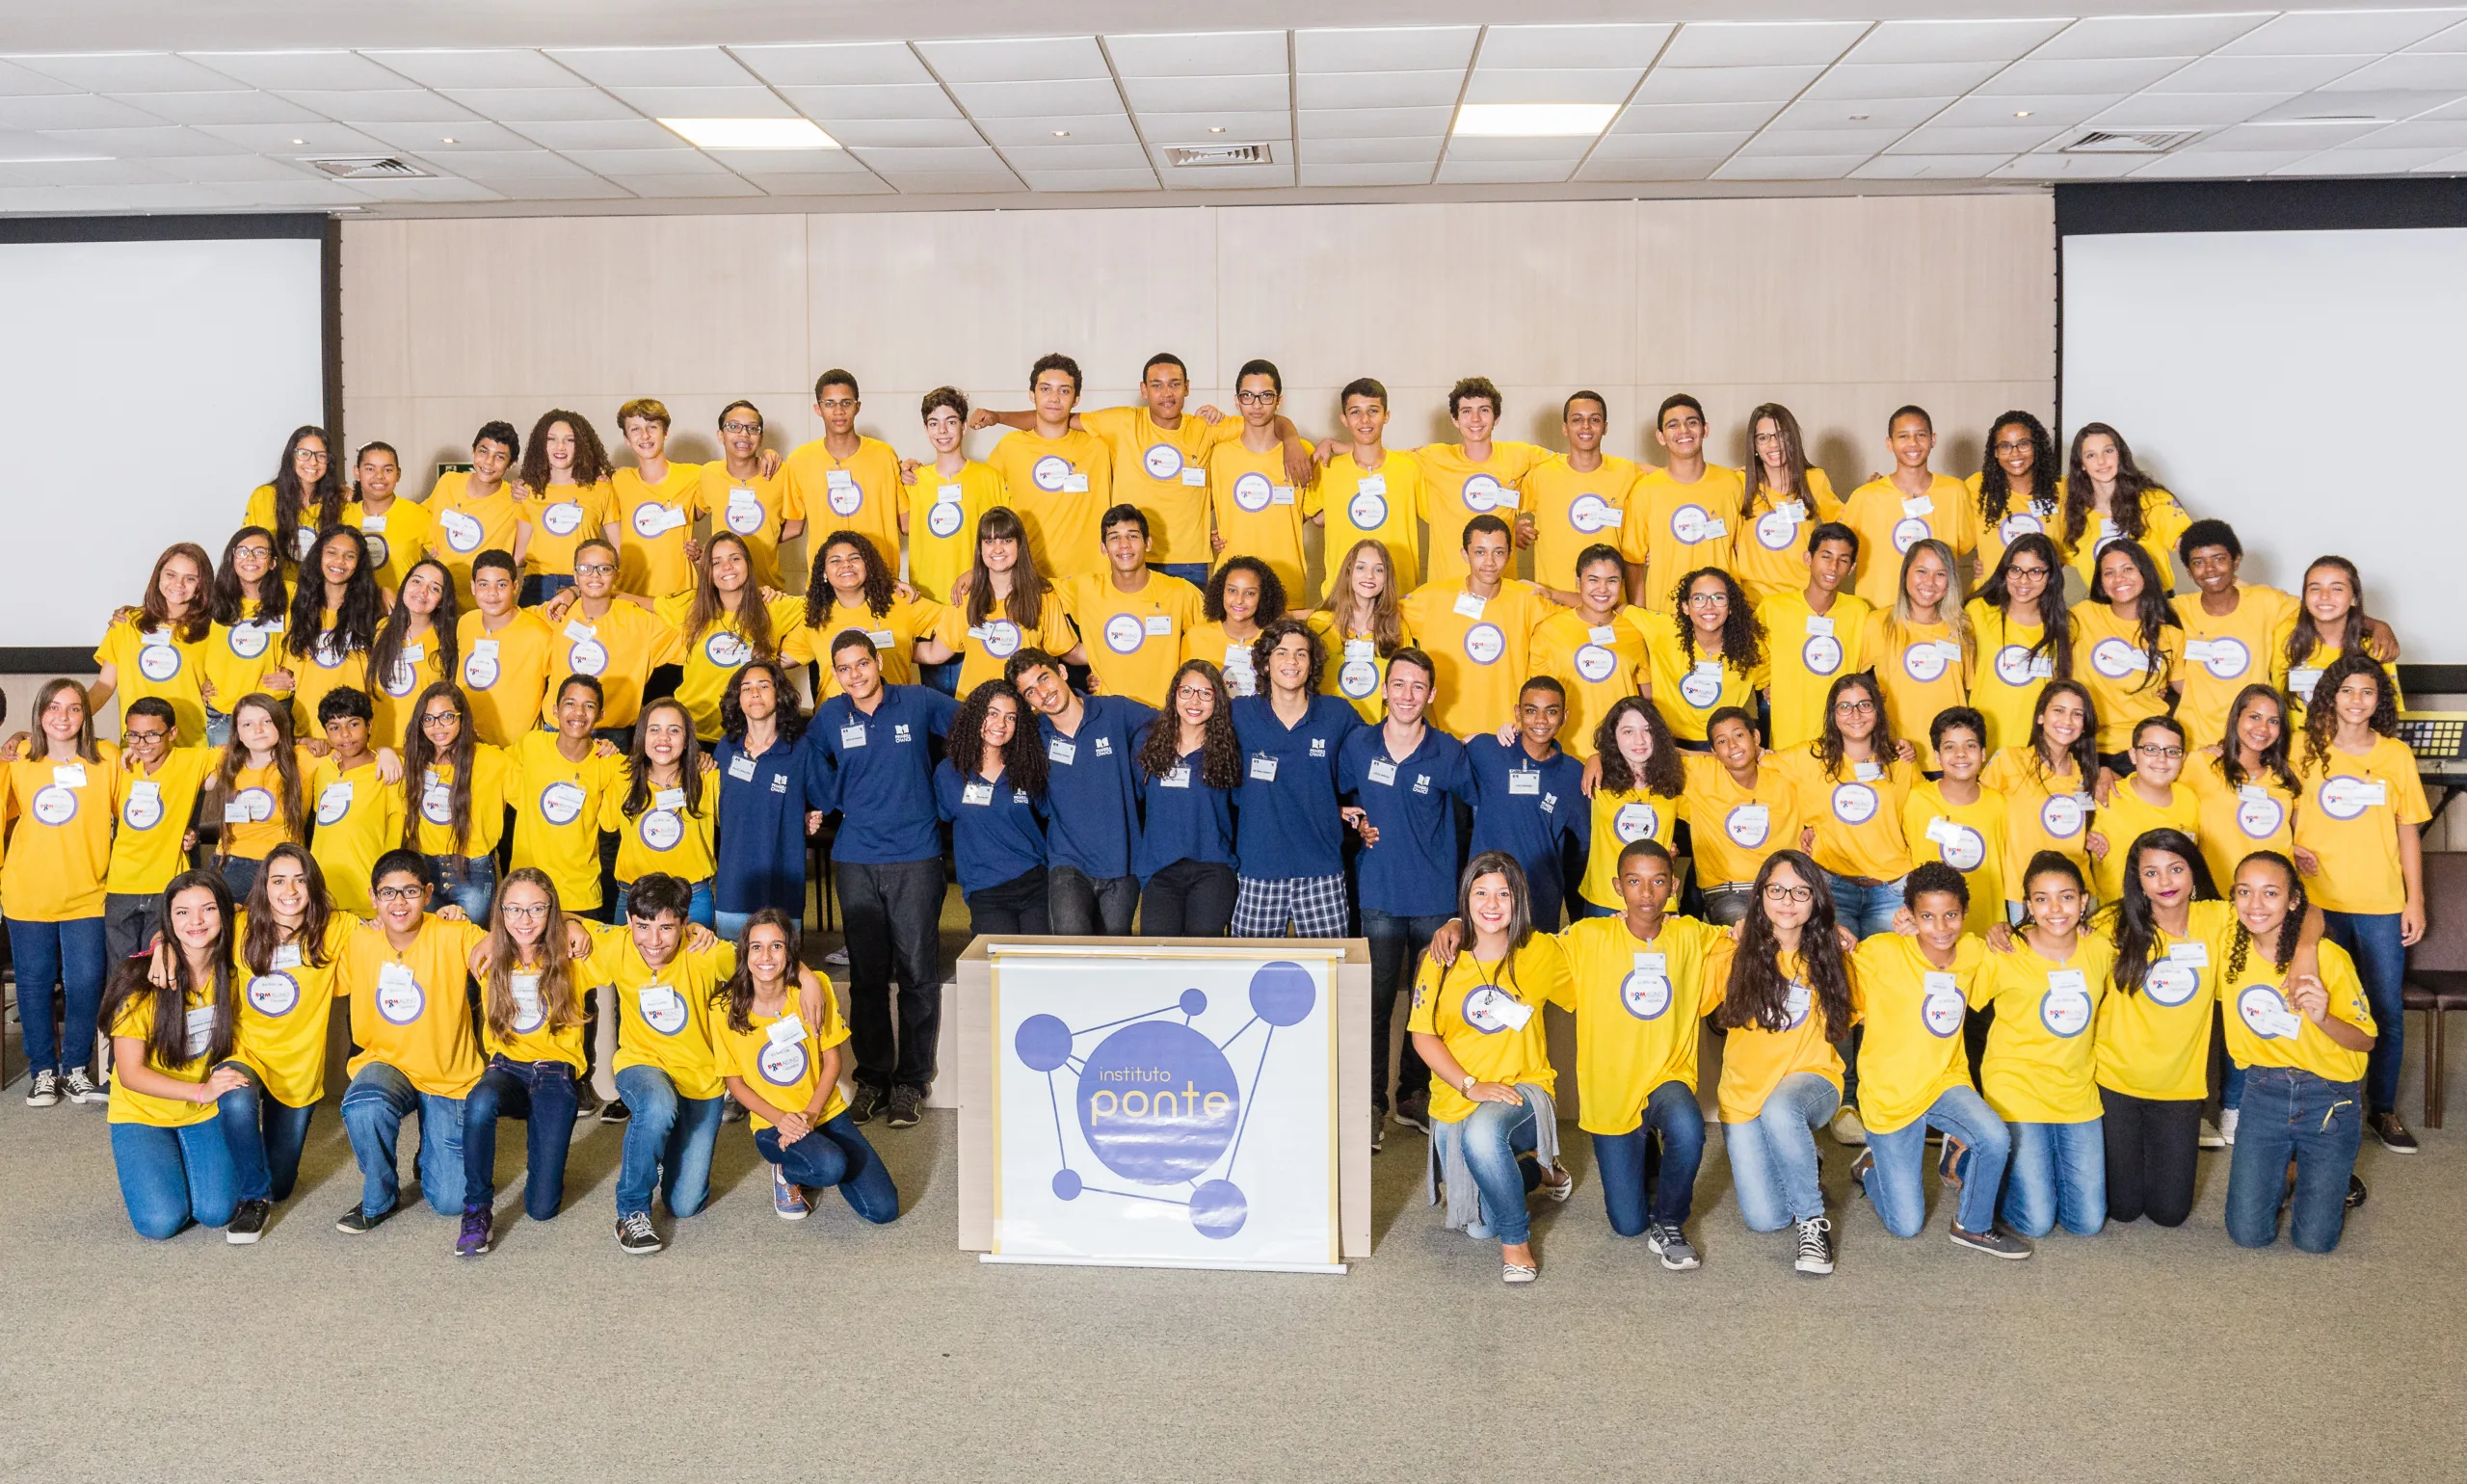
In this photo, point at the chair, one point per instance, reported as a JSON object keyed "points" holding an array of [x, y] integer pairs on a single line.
{"points": [[2436, 981]]}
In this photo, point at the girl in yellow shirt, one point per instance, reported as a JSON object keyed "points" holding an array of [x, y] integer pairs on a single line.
{"points": [[853, 587], [2245, 797], [1852, 785], [304, 497], [565, 490], [1707, 655], [1361, 622], [2148, 798], [285, 950], [2131, 645], [2022, 637], [414, 648], [159, 649], [334, 616], [1922, 645], [2107, 499], [59, 799], [2330, 622], [243, 650], [2046, 783], [1641, 792], [532, 1023], [2152, 1057], [256, 791], [454, 799], [168, 1050], [1242, 597], [1783, 995], [1005, 604], [725, 623], [1785, 498], [2018, 490], [662, 809], [2037, 1073]]}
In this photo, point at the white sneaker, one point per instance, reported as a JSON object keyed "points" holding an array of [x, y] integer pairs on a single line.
{"points": [[2227, 1127], [836, 958], [2210, 1137], [1847, 1130]]}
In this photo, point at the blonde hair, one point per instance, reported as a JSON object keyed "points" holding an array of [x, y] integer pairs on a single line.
{"points": [[650, 409], [1949, 609], [1386, 617]]}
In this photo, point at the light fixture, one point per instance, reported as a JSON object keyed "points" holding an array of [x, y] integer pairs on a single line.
{"points": [[1216, 128], [2024, 113], [751, 133], [299, 141], [1062, 133], [1534, 121], [447, 140]]}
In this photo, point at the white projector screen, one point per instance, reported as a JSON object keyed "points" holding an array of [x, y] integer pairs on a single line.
{"points": [[148, 388], [2300, 385]]}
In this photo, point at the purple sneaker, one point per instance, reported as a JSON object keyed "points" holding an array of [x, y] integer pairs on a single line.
{"points": [[478, 1228]]}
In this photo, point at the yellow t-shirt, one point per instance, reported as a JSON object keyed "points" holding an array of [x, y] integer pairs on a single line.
{"points": [[1599, 664], [1489, 1015], [2040, 1049], [655, 522], [325, 669], [1920, 667], [155, 809], [1890, 524], [432, 796], [1454, 489], [1636, 1003], [504, 673], [1675, 528], [2154, 1043], [666, 1014], [1134, 639], [239, 656], [2021, 517], [557, 807], [1688, 688], [1969, 838], [894, 633], [1233, 656], [2164, 522], [259, 512], [2299, 680], [666, 836], [168, 666], [1769, 550], [2259, 1015], [2222, 655], [259, 792], [713, 657], [359, 819], [1857, 816], [1355, 670], [283, 1013], [1572, 511], [783, 1070], [621, 647], [462, 527], [2042, 811], [60, 845], [397, 540], [563, 517], [1164, 472], [1755, 1060], [1911, 1052], [1805, 653], [393, 696], [409, 1010], [984, 648], [753, 509], [1620, 817], [2125, 687], [2005, 677], [529, 1037], [942, 512], [2124, 818], [1483, 649], [1381, 504], [1059, 488], [2231, 823], [2348, 816], [1257, 512], [135, 1021], [860, 493], [1734, 828]]}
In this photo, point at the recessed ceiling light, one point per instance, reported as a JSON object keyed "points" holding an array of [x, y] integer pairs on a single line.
{"points": [[299, 141], [1534, 121], [448, 139], [1216, 128], [2024, 113], [1855, 117], [751, 133], [1062, 133]]}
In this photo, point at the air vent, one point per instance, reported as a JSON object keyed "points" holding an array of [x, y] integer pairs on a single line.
{"points": [[2137, 142], [367, 167], [1180, 155]]}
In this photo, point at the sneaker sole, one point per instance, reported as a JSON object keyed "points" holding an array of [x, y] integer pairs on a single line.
{"points": [[640, 1252], [2400, 1148], [900, 1123], [42, 1103], [471, 1252], [1677, 1265], [242, 1238], [799, 1214], [1813, 1271], [2009, 1256]]}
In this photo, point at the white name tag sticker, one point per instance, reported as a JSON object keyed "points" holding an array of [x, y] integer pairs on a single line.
{"points": [[1179, 776], [1161, 623], [2070, 981], [68, 776], [1604, 634], [669, 799], [236, 813], [1948, 648], [394, 977], [1264, 769], [1281, 495], [787, 1030], [1940, 829], [2197, 651], [1382, 771], [1074, 484], [1195, 478], [1718, 526], [1866, 772], [741, 767], [1514, 1013], [196, 1032], [1525, 781], [580, 632], [285, 957], [852, 735], [1820, 626], [1058, 751], [1468, 606], [979, 793], [1919, 505], [2196, 954]]}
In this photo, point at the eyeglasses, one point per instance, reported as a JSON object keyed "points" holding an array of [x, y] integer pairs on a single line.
{"points": [[2014, 446], [839, 404], [1853, 707], [740, 427], [527, 914], [435, 717], [2017, 570], [309, 455], [132, 734], [399, 893], [1257, 398], [594, 570], [1707, 600], [261, 553], [2146, 749], [1777, 892], [1194, 693]]}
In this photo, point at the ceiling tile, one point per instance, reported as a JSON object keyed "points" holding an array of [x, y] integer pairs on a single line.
{"points": [[283, 71], [1672, 147], [2456, 164], [1554, 46], [176, 196], [2343, 102], [2156, 110], [17, 82], [500, 164], [1564, 85], [540, 105], [655, 67], [501, 67], [241, 105], [1377, 90], [1813, 113], [1201, 54], [1782, 167], [561, 187], [1016, 60], [2364, 162], [1373, 152], [1140, 179], [1600, 168], [751, 101], [2449, 133], [2444, 71], [921, 160], [1374, 123], [1929, 166], [231, 168], [382, 105], [2069, 166], [2115, 36], [1476, 147], [107, 173], [2032, 75], [426, 190], [850, 183], [1035, 100], [1384, 48], [786, 162], [131, 72], [877, 133], [887, 100], [588, 134], [855, 64], [1257, 93], [1759, 43], [1364, 174], [1952, 40], [1725, 85], [276, 138], [1897, 79], [2452, 39], [2044, 112], [2002, 142], [1072, 155], [1226, 177], [1692, 117], [2303, 138], [1456, 172], [2244, 166], [2258, 74], [70, 111], [430, 138], [56, 201], [147, 144], [1854, 139], [954, 182], [1193, 128], [1082, 129], [686, 161], [689, 187], [2305, 33]]}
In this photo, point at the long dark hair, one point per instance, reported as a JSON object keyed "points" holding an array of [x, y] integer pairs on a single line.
{"points": [[2153, 614], [560, 1002], [228, 604], [1022, 756], [386, 651], [790, 716], [1271, 591], [363, 608], [1759, 992], [292, 498], [1742, 635], [752, 615], [2084, 751], [1995, 491], [2321, 718], [419, 755], [1665, 771], [2307, 634], [153, 613], [1795, 462], [2298, 902], [1220, 759], [2124, 507], [880, 581], [286, 766], [735, 993], [1026, 606], [591, 455], [1520, 922], [2136, 921], [2056, 619], [167, 1041], [257, 945], [1833, 747], [638, 763], [2275, 758]]}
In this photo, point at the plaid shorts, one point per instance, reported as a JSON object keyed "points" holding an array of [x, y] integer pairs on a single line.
{"points": [[1314, 905]]}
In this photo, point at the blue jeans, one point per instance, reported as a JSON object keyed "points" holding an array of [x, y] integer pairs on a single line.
{"points": [[540, 587], [668, 1140], [239, 874], [1892, 1182], [374, 1107], [2372, 939], [1196, 574], [731, 925], [1578, 909], [2293, 1114], [2058, 1172], [1495, 1134], [1395, 942], [704, 909], [836, 1153], [1649, 1181], [68, 957], [468, 881], [1773, 1157], [172, 1176], [943, 678], [265, 1136], [1865, 910], [218, 726], [542, 1094]]}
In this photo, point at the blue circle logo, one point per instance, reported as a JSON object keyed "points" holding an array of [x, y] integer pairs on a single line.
{"points": [[1157, 1102]]}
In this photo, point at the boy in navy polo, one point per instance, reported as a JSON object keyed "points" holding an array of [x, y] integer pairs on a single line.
{"points": [[1092, 797], [1288, 835], [1528, 799]]}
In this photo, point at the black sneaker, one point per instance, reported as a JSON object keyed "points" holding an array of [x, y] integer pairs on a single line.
{"points": [[2393, 1133], [904, 1104], [1672, 1246], [77, 1087], [479, 1231], [1994, 1241], [1859, 1169], [44, 1091], [731, 1111], [587, 1102], [1413, 1113], [248, 1222], [358, 1223], [616, 1111], [1378, 1128], [867, 1102], [634, 1234], [1814, 1246], [2357, 1195]]}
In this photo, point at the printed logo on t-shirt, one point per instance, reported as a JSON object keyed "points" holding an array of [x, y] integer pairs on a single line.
{"points": [[1688, 524], [1482, 493], [2264, 1013], [1049, 473], [1822, 655], [2260, 818], [2227, 658], [1488, 1008], [1941, 1009], [2060, 816], [1595, 663], [1591, 513], [745, 516], [2346, 798], [1161, 461], [462, 532], [401, 1000], [662, 829], [2018, 524], [727, 649], [565, 517], [588, 657], [1776, 530], [1854, 803], [1359, 679], [945, 519], [2170, 983], [1924, 661], [400, 679], [1366, 510], [1001, 638], [1252, 491], [2013, 665], [480, 671], [1646, 994], [274, 994], [1700, 689], [1908, 532], [248, 641], [1962, 847], [143, 810], [561, 804], [783, 1063], [2065, 1011], [1124, 633], [1484, 644], [1748, 825], [54, 804], [2115, 658], [1635, 821], [158, 662]]}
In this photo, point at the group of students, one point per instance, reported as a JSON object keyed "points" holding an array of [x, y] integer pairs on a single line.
{"points": [[1095, 657]]}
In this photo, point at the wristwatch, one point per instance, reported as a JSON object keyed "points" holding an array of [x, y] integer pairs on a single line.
{"points": [[1468, 1086]]}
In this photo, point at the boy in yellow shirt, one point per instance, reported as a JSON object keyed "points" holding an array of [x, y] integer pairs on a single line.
{"points": [[844, 481], [1682, 515], [1912, 504], [1575, 500], [1373, 493], [2235, 632], [358, 812], [1060, 477], [1477, 624], [158, 785], [1476, 477], [1814, 637], [1957, 820]]}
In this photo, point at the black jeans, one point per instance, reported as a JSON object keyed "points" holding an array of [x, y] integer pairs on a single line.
{"points": [[1014, 906], [541, 1094], [894, 920], [1397, 945], [2151, 1149], [1188, 899], [130, 921], [1082, 906]]}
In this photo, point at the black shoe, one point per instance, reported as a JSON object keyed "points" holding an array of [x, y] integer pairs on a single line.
{"points": [[2393, 1133], [248, 1222], [868, 1102], [1413, 1113], [634, 1234], [587, 1104], [1378, 1128], [358, 1223], [2357, 1195], [904, 1104], [1994, 1241], [616, 1112], [731, 1111], [1814, 1255]]}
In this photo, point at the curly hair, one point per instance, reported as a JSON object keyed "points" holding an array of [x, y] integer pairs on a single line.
{"points": [[790, 717], [2124, 507], [1271, 591], [2321, 718], [1833, 747], [1665, 771], [1996, 490], [1272, 634], [363, 608], [2299, 903], [1759, 993], [1742, 633], [1220, 763], [880, 580], [1022, 756], [591, 456]]}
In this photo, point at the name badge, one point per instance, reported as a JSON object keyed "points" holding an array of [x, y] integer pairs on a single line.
{"points": [[395, 978], [852, 735], [1074, 484], [1371, 484], [1820, 626], [787, 1030], [839, 478], [580, 632], [2197, 954], [1468, 606], [1513, 1011], [2070, 981], [1866, 772], [414, 653], [1179, 776], [2197, 651], [1751, 820], [669, 799], [1918, 505], [1523, 781], [1382, 771], [741, 767], [2252, 793], [1606, 634], [1281, 495], [484, 651], [1948, 648], [979, 793], [1161, 623], [1264, 769], [68, 776], [1197, 479], [196, 1032], [236, 813], [374, 526], [1058, 751], [525, 990]]}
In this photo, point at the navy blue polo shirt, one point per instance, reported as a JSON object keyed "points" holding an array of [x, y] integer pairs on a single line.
{"points": [[764, 802], [1186, 819], [1092, 801], [1287, 798], [882, 773], [1526, 807], [1411, 802], [997, 830]]}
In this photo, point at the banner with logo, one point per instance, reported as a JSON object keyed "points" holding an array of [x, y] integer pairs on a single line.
{"points": [[1166, 1107]]}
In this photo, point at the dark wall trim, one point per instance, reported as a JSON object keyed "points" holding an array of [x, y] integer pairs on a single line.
{"points": [[2111, 207], [330, 289], [2432, 680], [71, 661], [296, 224]]}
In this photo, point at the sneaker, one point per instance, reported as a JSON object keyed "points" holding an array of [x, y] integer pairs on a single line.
{"points": [[904, 1104], [2227, 1126], [634, 1234], [587, 1102], [248, 1222], [2393, 1133], [478, 1231], [1994, 1241], [1564, 1187], [867, 1102], [1859, 1169], [789, 1200], [1847, 1130], [2356, 1193], [1672, 1246], [81, 1088], [2210, 1137], [616, 1111], [837, 958], [731, 1111], [1378, 1128], [1413, 1113], [1816, 1247], [358, 1223], [44, 1091]]}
